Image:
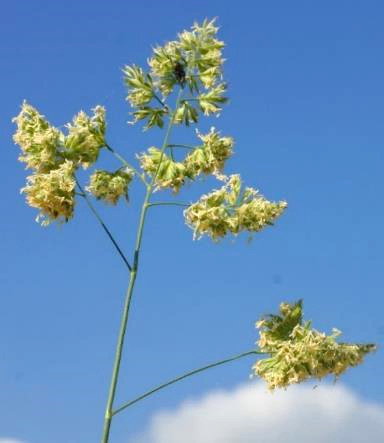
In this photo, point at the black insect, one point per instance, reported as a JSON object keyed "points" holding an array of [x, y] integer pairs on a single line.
{"points": [[179, 73]]}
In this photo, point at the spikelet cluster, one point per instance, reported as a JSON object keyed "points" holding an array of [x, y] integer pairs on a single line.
{"points": [[140, 86], [208, 158], [169, 173], [86, 136], [53, 193], [54, 158], [299, 352], [110, 186], [37, 138], [231, 209], [197, 51], [193, 60]]}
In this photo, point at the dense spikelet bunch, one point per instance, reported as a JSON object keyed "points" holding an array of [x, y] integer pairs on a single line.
{"points": [[195, 61], [208, 158], [85, 137], [231, 209], [140, 86], [198, 51], [110, 186], [211, 101], [53, 193], [300, 352], [169, 173], [37, 138], [54, 158]]}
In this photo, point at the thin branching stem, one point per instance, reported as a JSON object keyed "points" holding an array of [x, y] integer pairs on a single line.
{"points": [[186, 375], [185, 205], [103, 225], [132, 280], [182, 146], [125, 163], [159, 100]]}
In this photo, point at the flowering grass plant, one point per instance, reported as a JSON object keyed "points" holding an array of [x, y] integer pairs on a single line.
{"points": [[182, 84]]}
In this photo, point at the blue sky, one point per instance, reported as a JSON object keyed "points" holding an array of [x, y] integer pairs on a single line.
{"points": [[306, 111]]}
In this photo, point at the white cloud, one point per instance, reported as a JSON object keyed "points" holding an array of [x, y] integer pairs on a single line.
{"points": [[9, 440], [332, 414]]}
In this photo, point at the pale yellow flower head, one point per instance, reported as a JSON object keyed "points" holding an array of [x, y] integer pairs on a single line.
{"points": [[210, 157], [55, 158], [162, 65], [37, 139], [231, 209], [211, 101], [203, 51], [85, 137], [153, 115], [140, 86], [110, 186], [194, 61], [299, 352], [169, 173], [44, 147], [53, 193]]}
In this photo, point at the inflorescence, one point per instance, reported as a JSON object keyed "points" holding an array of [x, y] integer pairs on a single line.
{"points": [[208, 158], [110, 186], [231, 209], [54, 158], [193, 64], [193, 61], [299, 352]]}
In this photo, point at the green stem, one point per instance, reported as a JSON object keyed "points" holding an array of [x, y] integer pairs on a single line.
{"points": [[132, 280], [181, 146], [116, 365], [185, 205], [104, 226], [181, 377], [159, 100], [125, 163]]}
